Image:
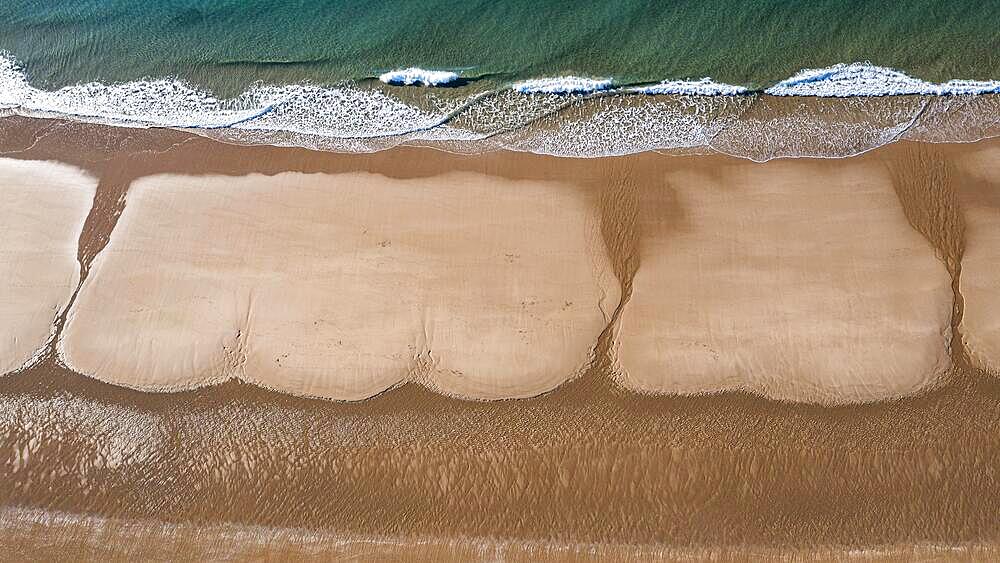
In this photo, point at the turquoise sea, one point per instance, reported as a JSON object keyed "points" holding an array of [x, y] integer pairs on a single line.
{"points": [[315, 73]]}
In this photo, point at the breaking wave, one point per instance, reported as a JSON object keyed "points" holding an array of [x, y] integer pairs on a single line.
{"points": [[865, 79], [834, 112], [562, 85], [414, 76], [703, 87]]}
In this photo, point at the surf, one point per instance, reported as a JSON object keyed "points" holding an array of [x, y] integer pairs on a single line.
{"points": [[866, 79], [414, 76], [563, 115]]}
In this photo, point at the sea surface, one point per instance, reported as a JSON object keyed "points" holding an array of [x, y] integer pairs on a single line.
{"points": [[759, 79]]}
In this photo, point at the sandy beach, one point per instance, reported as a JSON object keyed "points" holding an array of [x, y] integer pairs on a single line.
{"points": [[980, 288], [839, 303], [341, 286], [42, 215], [529, 280], [495, 276]]}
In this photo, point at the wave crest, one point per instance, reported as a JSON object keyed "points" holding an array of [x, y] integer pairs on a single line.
{"points": [[562, 85], [703, 87], [414, 76], [866, 79]]}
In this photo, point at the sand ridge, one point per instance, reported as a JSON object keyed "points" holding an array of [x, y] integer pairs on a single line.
{"points": [[980, 282], [44, 205], [341, 286], [799, 281]]}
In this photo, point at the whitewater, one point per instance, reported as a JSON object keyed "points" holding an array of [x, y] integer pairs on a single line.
{"points": [[837, 111]]}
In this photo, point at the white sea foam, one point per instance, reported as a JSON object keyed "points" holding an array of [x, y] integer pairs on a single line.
{"points": [[866, 79], [414, 76], [338, 111], [151, 103], [703, 87], [679, 115], [13, 84], [616, 126], [562, 85]]}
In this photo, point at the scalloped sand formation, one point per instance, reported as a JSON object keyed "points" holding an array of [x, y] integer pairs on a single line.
{"points": [[814, 281], [341, 286], [758, 277]]}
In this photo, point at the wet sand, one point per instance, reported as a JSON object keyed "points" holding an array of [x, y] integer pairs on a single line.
{"points": [[584, 464], [588, 463], [130, 540]]}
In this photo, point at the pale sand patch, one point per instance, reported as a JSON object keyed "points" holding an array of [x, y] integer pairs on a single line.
{"points": [[43, 206], [979, 192], [341, 286], [796, 280]]}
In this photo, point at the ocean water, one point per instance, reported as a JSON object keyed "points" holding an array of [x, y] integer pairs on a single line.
{"points": [[566, 78]]}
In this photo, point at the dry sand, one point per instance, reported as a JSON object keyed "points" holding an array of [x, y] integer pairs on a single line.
{"points": [[798, 280], [43, 206], [340, 286], [980, 281]]}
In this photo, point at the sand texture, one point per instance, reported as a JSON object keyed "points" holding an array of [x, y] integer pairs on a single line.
{"points": [[796, 280], [43, 206], [504, 275], [583, 465], [224, 259], [494, 276], [340, 286], [980, 280]]}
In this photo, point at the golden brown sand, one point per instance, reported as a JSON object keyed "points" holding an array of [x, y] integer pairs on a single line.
{"points": [[42, 209], [583, 465], [340, 286]]}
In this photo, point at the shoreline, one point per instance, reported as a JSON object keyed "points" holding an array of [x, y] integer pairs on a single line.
{"points": [[687, 473]]}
